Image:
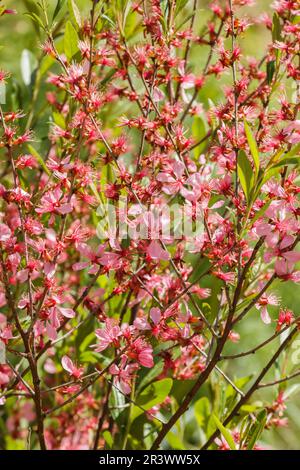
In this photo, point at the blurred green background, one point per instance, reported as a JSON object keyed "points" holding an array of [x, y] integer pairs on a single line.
{"points": [[18, 33]]}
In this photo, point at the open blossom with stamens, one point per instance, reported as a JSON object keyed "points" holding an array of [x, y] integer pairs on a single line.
{"points": [[54, 203], [69, 366], [263, 303], [110, 335]]}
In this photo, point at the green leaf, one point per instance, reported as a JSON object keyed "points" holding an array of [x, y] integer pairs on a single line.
{"points": [[152, 374], [117, 402], [33, 12], [74, 13], [89, 357], [198, 132], [36, 19], [202, 411], [287, 161], [46, 63], [256, 429], [245, 174], [225, 433], [59, 119], [58, 7], [39, 158], [290, 158], [252, 145], [260, 212], [180, 4], [270, 71], [70, 41], [276, 28], [108, 439], [174, 441], [152, 395]]}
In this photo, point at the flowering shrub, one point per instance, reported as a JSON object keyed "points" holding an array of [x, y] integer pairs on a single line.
{"points": [[149, 111]]}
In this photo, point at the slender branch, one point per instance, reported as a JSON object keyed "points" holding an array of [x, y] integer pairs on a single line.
{"points": [[276, 382]]}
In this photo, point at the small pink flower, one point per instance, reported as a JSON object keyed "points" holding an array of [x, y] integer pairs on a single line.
{"points": [[142, 352], [53, 203], [123, 375], [108, 336], [262, 305], [69, 366]]}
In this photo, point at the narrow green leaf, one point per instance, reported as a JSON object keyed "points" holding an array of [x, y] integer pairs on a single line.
{"points": [[39, 158], [174, 441], [59, 119], [252, 145], [70, 41], [276, 28], [108, 439], [202, 411], [245, 174], [270, 71], [256, 429], [58, 7], [225, 433], [36, 19], [74, 13], [198, 132]]}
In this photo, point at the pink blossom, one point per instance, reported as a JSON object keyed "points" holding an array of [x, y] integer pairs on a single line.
{"points": [[69, 366], [110, 335], [262, 305], [123, 375], [53, 203]]}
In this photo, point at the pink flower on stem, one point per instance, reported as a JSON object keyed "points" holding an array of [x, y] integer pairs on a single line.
{"points": [[285, 317], [53, 203], [69, 366], [141, 352], [172, 184], [108, 336], [123, 375], [93, 257], [262, 305]]}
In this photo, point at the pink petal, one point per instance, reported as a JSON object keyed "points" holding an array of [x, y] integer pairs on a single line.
{"points": [[65, 209], [67, 312], [155, 251], [109, 259], [22, 275], [292, 256], [155, 315], [67, 364], [80, 265], [265, 315], [51, 332], [5, 233], [49, 269], [125, 387], [146, 359]]}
